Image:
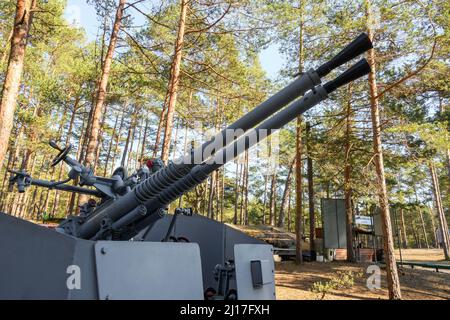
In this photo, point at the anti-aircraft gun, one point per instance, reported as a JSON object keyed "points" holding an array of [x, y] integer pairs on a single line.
{"points": [[126, 246]]}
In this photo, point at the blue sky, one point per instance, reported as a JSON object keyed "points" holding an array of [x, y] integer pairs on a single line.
{"points": [[84, 15]]}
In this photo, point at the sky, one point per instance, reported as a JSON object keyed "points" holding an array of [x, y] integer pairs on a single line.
{"points": [[83, 15]]}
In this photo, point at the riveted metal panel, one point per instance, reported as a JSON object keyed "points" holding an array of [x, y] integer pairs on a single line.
{"points": [[216, 241], [244, 254], [148, 270], [34, 262]]}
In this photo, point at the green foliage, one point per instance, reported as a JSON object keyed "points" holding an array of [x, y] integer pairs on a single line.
{"points": [[340, 281]]}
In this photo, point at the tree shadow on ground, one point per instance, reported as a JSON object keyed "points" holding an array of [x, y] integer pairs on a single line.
{"points": [[299, 279]]}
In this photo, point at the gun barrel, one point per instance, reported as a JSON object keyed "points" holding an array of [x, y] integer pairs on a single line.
{"points": [[297, 88], [138, 212], [201, 172], [155, 184]]}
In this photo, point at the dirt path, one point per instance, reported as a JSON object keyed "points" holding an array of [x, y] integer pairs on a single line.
{"points": [[422, 255], [295, 282]]}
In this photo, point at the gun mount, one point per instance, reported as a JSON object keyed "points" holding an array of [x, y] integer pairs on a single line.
{"points": [[104, 188], [134, 207]]}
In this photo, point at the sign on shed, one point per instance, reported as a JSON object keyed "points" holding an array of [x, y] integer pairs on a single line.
{"points": [[363, 220]]}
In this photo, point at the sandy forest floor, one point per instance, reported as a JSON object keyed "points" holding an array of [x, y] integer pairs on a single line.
{"points": [[295, 282]]}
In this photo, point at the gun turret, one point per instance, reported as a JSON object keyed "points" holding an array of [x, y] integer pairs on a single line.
{"points": [[105, 188], [153, 191], [205, 259]]}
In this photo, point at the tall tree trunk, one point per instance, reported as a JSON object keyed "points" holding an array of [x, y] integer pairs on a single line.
{"points": [[117, 142], [242, 196], [100, 137], [312, 216], [211, 193], [14, 150], [266, 181], [28, 156], [130, 137], [81, 153], [80, 143], [58, 173], [298, 155], [7, 205], [272, 199], [289, 213], [102, 87], [174, 81], [433, 225], [298, 193], [127, 145], [144, 141], [440, 211], [175, 141], [6, 50], [137, 156], [442, 107], [67, 141], [236, 192], [10, 90], [133, 135], [447, 156], [413, 229], [162, 119], [285, 198], [448, 167], [403, 229], [263, 219], [222, 195], [185, 144], [30, 132], [24, 213], [245, 190], [32, 205], [214, 180], [108, 154], [424, 231], [347, 178], [3, 191], [388, 240]]}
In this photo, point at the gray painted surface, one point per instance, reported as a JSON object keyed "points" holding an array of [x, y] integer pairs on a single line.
{"points": [[334, 229], [84, 257], [34, 261], [216, 241], [244, 254], [148, 270]]}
